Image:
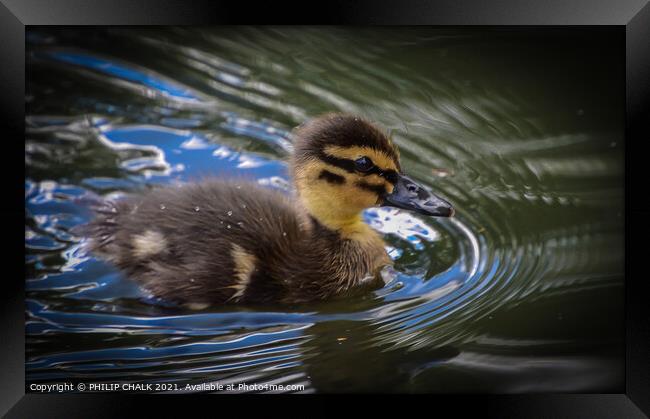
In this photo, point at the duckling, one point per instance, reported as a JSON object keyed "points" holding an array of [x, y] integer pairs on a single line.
{"points": [[233, 242]]}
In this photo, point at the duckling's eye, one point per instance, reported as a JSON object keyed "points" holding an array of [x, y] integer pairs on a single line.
{"points": [[363, 164]]}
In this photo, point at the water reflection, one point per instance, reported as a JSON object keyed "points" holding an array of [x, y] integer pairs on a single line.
{"points": [[525, 282]]}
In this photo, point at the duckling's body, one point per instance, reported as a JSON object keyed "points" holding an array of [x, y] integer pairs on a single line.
{"points": [[233, 242], [218, 242]]}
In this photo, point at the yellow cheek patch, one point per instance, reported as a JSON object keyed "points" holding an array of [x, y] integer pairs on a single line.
{"points": [[379, 158], [336, 205]]}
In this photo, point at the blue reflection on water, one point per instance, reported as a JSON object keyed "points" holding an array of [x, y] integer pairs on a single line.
{"points": [[123, 72], [185, 155]]}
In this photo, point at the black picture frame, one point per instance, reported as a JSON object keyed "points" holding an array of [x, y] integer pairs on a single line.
{"points": [[632, 16]]}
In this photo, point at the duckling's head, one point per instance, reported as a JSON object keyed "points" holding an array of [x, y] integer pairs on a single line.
{"points": [[343, 164]]}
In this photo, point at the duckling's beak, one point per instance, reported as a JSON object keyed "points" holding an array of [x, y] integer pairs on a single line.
{"points": [[409, 195]]}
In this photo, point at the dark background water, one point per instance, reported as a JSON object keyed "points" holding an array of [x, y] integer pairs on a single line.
{"points": [[521, 129]]}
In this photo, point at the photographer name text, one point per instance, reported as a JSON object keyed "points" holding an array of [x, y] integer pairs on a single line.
{"points": [[157, 387]]}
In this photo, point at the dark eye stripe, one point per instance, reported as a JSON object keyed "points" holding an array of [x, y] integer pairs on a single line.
{"points": [[331, 177], [378, 189], [389, 175], [349, 166], [345, 164]]}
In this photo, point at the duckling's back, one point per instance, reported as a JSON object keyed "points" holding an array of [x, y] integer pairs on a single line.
{"points": [[200, 244]]}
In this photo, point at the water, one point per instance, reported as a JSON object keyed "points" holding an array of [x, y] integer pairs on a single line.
{"points": [[522, 131]]}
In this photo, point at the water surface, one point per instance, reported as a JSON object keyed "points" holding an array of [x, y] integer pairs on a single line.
{"points": [[521, 130]]}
